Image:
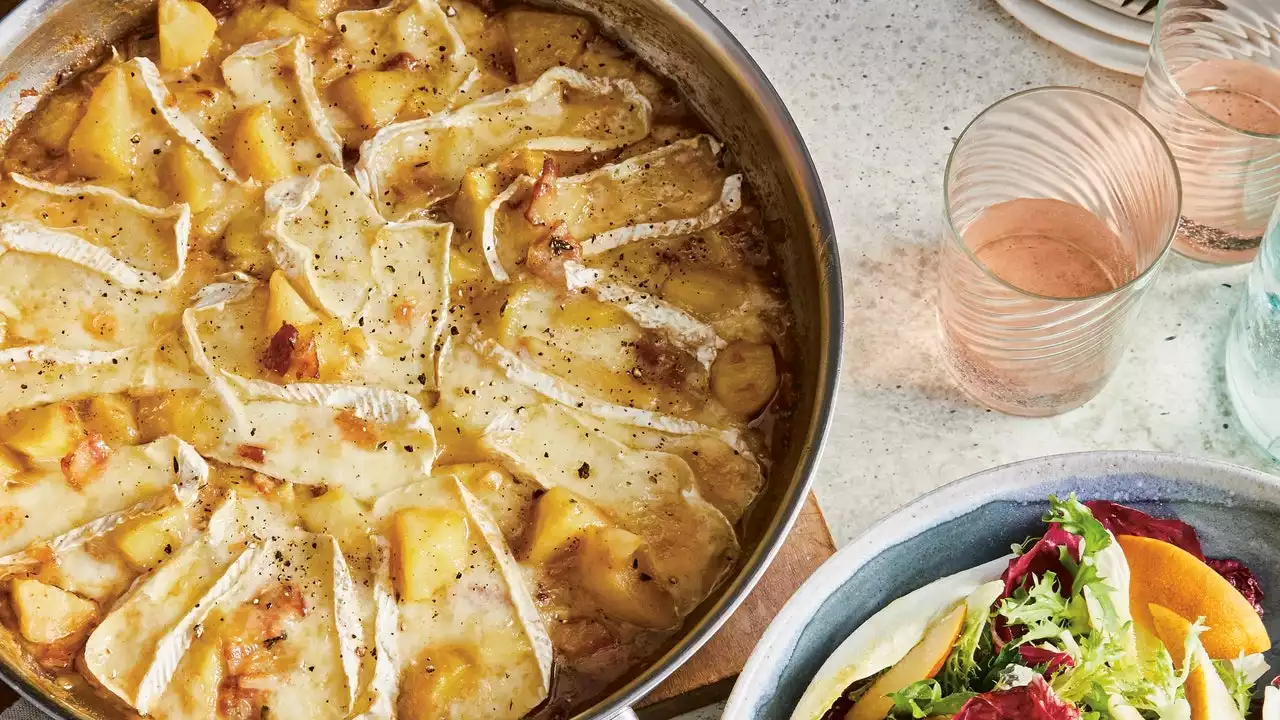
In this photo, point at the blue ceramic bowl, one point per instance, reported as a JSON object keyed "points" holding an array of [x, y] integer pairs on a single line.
{"points": [[1235, 510]]}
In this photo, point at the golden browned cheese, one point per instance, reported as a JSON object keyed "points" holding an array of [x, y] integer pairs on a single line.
{"points": [[316, 310]]}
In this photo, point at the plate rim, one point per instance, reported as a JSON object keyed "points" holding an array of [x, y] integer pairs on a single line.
{"points": [[1080, 40]]}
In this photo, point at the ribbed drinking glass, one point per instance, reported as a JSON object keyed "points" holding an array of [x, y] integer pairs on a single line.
{"points": [[1212, 88], [1061, 204], [1253, 347]]}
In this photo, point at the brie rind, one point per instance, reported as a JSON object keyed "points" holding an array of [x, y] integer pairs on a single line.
{"points": [[488, 608], [650, 493], [296, 431], [137, 647], [677, 189], [418, 28], [650, 311], [384, 675], [98, 252], [537, 115], [181, 125], [887, 636], [45, 509], [279, 73], [39, 374], [552, 387]]}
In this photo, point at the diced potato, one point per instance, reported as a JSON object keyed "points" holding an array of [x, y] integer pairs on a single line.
{"points": [[338, 350], [262, 22], [314, 11], [485, 37], [190, 178], [586, 313], [462, 269], [431, 684], [340, 515], [610, 569], [147, 540], [102, 146], [525, 302], [744, 377], [542, 40], [47, 613], [56, 121], [285, 305], [602, 58], [245, 243], [559, 519], [478, 189], [192, 415], [198, 691], [44, 433], [11, 466], [373, 98], [186, 31], [259, 148], [112, 418], [431, 547], [702, 292]]}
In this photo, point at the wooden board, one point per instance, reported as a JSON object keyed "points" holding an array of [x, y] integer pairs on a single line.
{"points": [[708, 676]]}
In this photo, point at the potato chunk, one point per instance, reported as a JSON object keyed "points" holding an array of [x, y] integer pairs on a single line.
{"points": [[55, 122], [245, 243], [102, 146], [187, 29], [542, 40], [431, 549], [262, 22], [373, 98], [744, 377], [192, 415], [314, 11], [11, 466], [190, 178], [559, 518], [703, 293], [111, 417], [610, 569], [148, 540], [260, 149], [47, 613], [339, 514], [45, 433], [431, 684], [285, 305]]}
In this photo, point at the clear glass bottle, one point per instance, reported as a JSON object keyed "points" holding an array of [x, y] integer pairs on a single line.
{"points": [[1253, 346]]}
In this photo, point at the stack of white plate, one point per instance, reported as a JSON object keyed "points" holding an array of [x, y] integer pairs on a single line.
{"points": [[1110, 33]]}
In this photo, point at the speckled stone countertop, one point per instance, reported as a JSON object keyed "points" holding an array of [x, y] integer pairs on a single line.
{"points": [[880, 90]]}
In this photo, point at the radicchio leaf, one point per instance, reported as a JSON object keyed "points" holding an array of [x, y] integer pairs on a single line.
{"points": [[1124, 520], [1052, 660], [1034, 701], [1045, 556]]}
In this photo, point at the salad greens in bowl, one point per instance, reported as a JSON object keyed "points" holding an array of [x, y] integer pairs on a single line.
{"points": [[1130, 586]]}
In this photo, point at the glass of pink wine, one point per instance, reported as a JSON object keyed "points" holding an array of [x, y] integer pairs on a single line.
{"points": [[1212, 88], [1061, 204]]}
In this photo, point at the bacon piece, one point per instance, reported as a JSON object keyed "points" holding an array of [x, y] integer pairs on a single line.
{"points": [[543, 193], [305, 361], [280, 350], [548, 254], [82, 465], [252, 453], [356, 429], [403, 61]]}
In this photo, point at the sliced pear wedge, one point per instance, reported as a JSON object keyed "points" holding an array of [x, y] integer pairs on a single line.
{"points": [[1206, 693], [921, 663], [1166, 574]]}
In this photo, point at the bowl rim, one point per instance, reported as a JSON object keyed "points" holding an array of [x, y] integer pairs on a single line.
{"points": [[947, 502]]}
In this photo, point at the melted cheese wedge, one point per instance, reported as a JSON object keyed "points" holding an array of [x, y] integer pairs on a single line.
{"points": [[678, 189], [486, 613], [415, 35], [278, 73], [133, 480], [414, 164], [652, 494]]}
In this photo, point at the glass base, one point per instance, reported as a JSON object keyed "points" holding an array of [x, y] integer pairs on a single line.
{"points": [[1240, 395]]}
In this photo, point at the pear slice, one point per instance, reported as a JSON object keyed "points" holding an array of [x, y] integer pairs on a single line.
{"points": [[1206, 693], [921, 663], [1166, 574]]}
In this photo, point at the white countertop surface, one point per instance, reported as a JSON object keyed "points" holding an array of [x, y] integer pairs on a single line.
{"points": [[880, 89]]}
